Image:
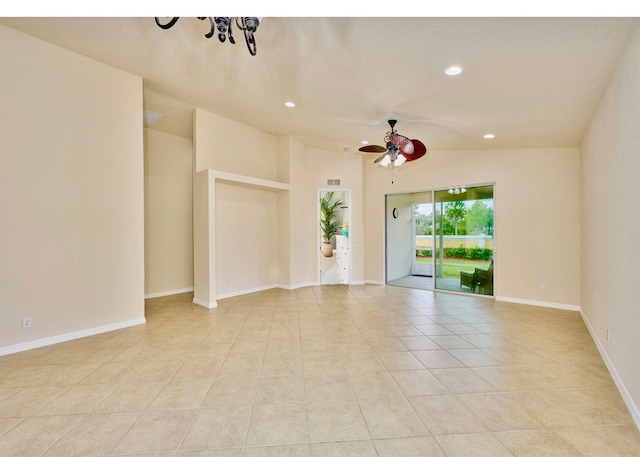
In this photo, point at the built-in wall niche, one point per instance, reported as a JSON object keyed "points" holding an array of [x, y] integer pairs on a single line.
{"points": [[246, 238], [214, 212]]}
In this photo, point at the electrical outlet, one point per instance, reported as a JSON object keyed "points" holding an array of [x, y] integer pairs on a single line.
{"points": [[27, 322], [543, 289]]}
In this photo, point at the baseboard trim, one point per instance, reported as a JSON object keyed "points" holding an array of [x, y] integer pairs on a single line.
{"points": [[297, 286], [543, 304], [378, 283], [246, 291], [278, 286], [69, 336], [205, 304], [626, 396], [168, 292]]}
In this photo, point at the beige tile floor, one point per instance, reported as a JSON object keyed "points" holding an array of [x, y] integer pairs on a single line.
{"points": [[321, 371]]}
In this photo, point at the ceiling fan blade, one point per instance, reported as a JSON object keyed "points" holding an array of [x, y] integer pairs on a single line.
{"points": [[404, 143], [372, 148], [380, 158], [419, 150]]}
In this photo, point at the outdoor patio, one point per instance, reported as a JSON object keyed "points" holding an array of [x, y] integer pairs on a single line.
{"points": [[449, 283]]}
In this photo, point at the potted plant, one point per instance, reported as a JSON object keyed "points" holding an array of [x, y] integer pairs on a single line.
{"points": [[328, 222]]}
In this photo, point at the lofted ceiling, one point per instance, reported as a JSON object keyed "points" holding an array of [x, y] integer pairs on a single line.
{"points": [[533, 82]]}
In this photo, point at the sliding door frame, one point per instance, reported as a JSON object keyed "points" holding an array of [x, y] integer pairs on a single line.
{"points": [[434, 234]]}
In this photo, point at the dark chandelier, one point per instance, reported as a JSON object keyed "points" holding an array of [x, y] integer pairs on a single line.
{"points": [[224, 25]]}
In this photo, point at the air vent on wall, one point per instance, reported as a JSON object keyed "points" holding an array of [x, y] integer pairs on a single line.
{"points": [[333, 182]]}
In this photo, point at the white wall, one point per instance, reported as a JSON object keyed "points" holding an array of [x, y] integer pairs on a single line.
{"points": [[246, 239], [72, 203], [226, 145], [304, 222], [399, 239], [323, 165], [236, 241], [536, 199], [168, 214], [204, 249], [610, 173]]}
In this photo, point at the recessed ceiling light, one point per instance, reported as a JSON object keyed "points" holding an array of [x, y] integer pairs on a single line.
{"points": [[489, 136], [364, 142], [289, 104], [453, 71]]}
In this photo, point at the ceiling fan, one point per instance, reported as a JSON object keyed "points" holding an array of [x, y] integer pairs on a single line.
{"points": [[398, 150]]}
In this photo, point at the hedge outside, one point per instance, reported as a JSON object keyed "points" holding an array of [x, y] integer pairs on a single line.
{"points": [[460, 253]]}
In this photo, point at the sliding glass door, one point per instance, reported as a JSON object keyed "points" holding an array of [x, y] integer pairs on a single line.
{"points": [[422, 237], [463, 239], [441, 239]]}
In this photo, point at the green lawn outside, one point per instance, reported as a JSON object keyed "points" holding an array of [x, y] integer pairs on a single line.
{"points": [[453, 267]]}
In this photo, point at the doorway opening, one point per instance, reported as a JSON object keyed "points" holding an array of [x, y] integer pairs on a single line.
{"points": [[334, 252], [442, 239]]}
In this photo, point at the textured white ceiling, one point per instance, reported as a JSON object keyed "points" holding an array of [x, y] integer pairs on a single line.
{"points": [[533, 82]]}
